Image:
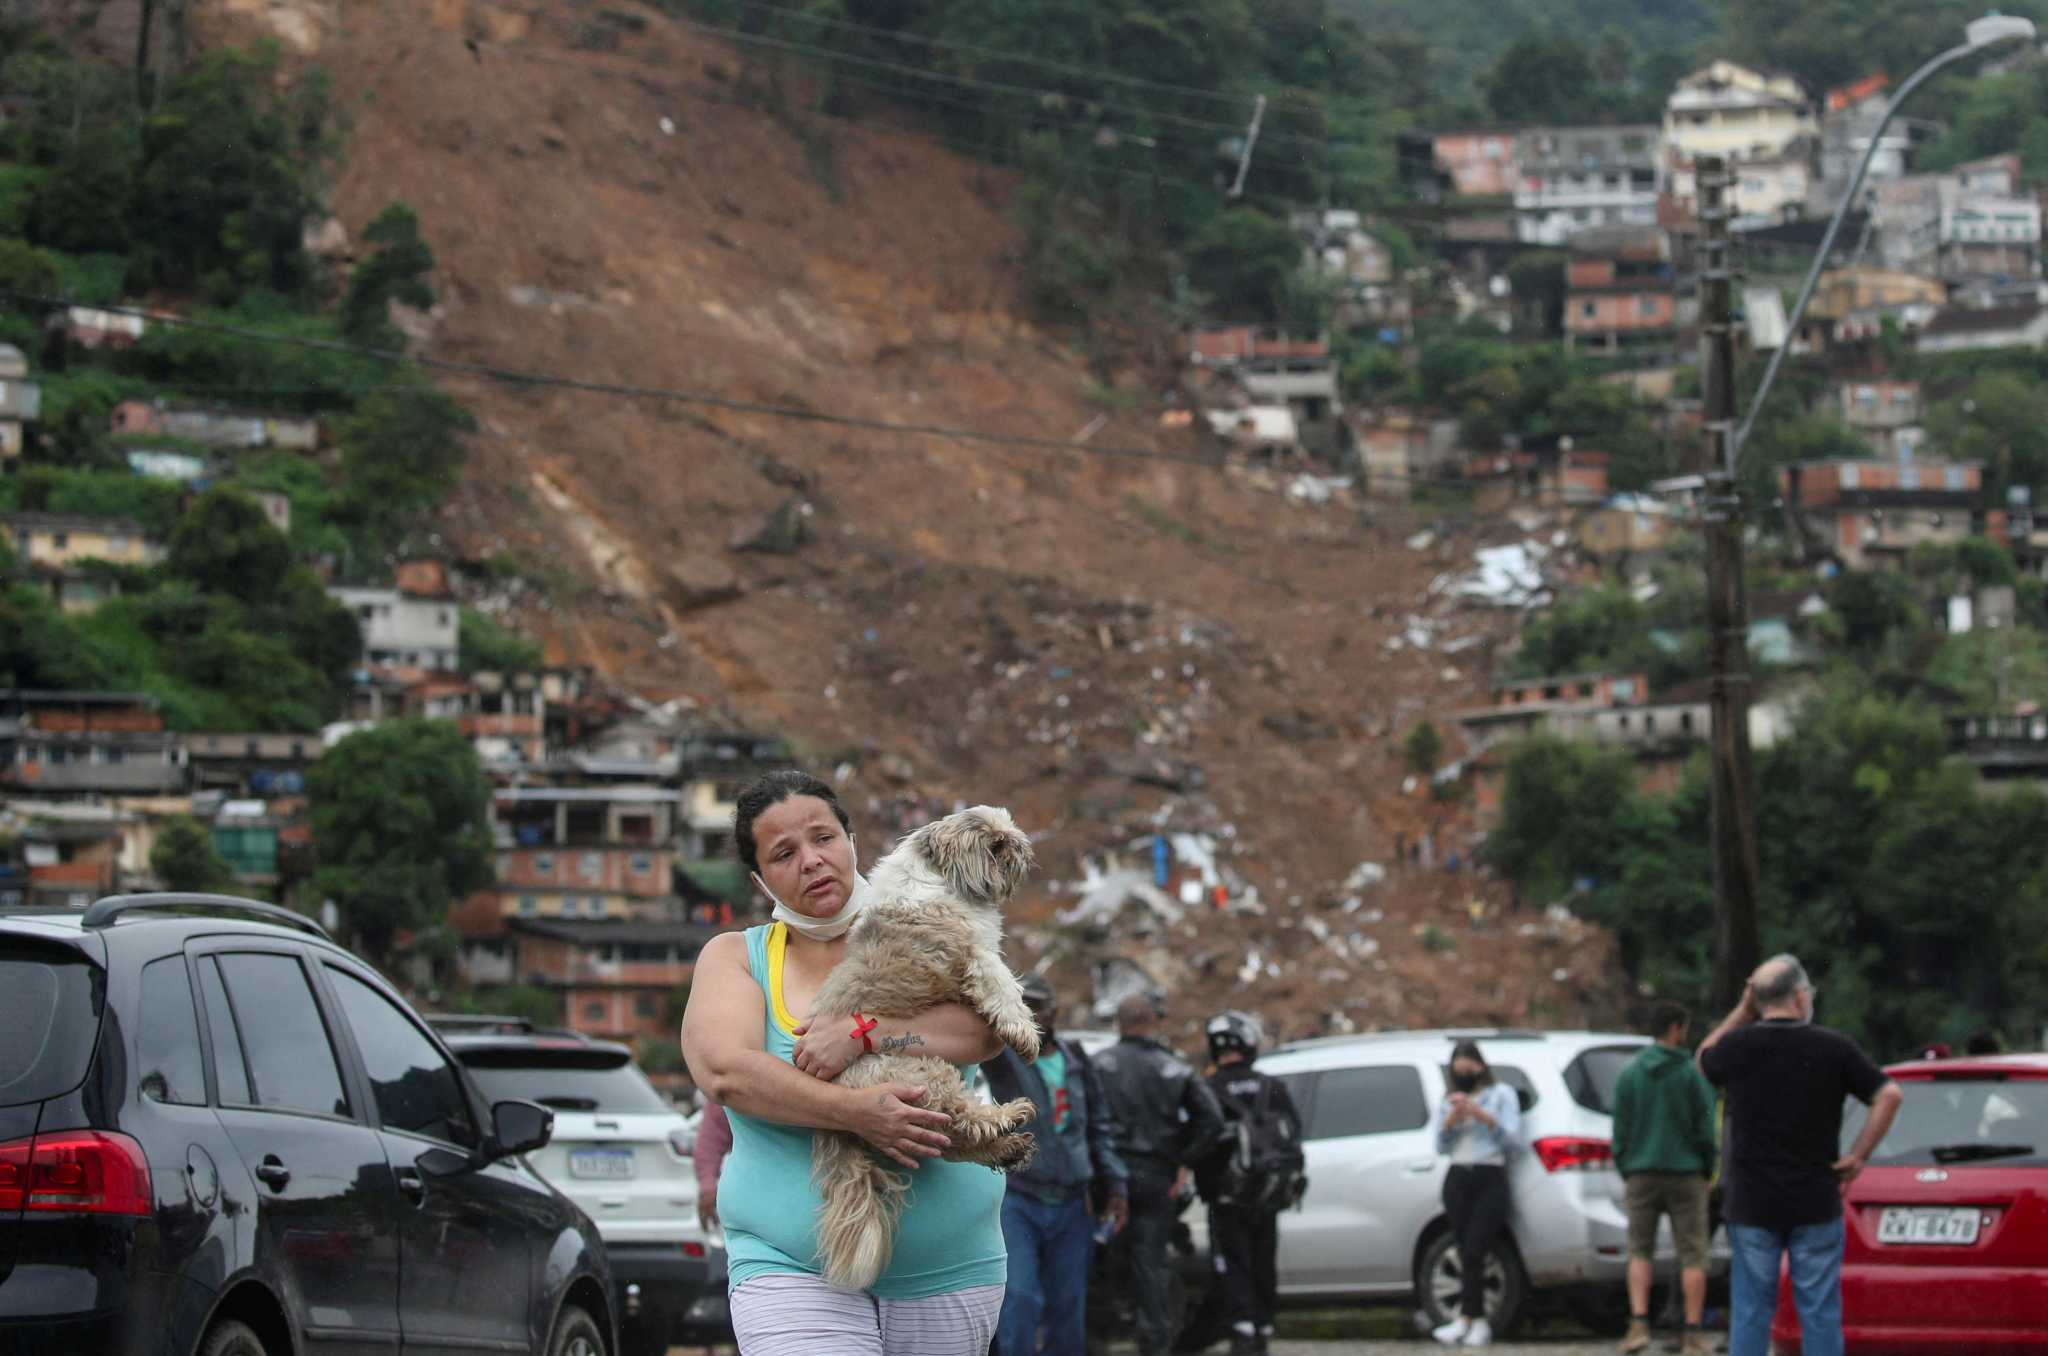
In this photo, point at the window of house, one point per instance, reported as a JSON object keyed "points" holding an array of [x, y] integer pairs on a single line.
{"points": [[528, 906], [594, 1011], [641, 863], [1685, 722], [60, 540], [591, 866], [1849, 477], [167, 1037], [1646, 307], [1586, 310], [1953, 478], [544, 863], [1909, 477], [117, 545], [1623, 722], [1649, 723], [291, 1060], [415, 1089], [1374, 1100], [643, 1005]]}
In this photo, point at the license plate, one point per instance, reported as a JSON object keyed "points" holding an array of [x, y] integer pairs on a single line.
{"points": [[1954, 1227], [601, 1163]]}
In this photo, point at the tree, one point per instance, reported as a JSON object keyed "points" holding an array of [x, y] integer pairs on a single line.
{"points": [[396, 272], [1542, 78], [401, 823], [2002, 421], [225, 544], [1558, 820], [401, 454], [485, 644], [1423, 747], [1243, 259], [184, 858]]}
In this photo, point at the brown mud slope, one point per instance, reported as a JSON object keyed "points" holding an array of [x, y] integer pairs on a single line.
{"points": [[1103, 643]]}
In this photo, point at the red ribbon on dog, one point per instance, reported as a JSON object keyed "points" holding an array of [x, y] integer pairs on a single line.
{"points": [[861, 1027]]}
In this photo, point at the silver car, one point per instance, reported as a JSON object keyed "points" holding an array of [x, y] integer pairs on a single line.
{"points": [[1372, 1224]]}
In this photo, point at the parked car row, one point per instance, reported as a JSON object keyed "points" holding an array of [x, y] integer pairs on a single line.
{"points": [[221, 1133]]}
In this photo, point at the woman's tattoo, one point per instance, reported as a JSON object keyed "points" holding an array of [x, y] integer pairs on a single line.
{"points": [[895, 1045]]}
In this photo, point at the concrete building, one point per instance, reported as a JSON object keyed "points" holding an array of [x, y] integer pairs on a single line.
{"points": [[1621, 300], [1956, 330], [1405, 449], [1747, 116], [1971, 222], [1572, 178], [404, 631], [1480, 163], [1848, 123], [87, 743], [1886, 412], [1851, 305], [217, 428], [618, 981], [60, 550], [1866, 511], [21, 401]]}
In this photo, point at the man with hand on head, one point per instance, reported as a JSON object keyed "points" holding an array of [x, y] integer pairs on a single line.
{"points": [[1786, 1080]]}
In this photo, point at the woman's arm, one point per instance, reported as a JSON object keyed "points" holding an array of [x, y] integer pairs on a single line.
{"points": [[953, 1032], [722, 1044]]}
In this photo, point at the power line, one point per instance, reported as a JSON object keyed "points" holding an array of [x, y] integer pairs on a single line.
{"points": [[1046, 63], [832, 54]]}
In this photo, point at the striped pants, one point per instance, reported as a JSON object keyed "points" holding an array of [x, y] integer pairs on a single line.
{"points": [[799, 1315]]}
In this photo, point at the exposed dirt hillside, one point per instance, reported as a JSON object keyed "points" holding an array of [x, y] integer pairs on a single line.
{"points": [[1106, 644]]}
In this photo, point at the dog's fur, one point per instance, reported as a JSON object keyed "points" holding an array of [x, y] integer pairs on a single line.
{"points": [[931, 933]]}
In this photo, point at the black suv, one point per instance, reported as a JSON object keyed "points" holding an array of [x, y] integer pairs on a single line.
{"points": [[232, 1138]]}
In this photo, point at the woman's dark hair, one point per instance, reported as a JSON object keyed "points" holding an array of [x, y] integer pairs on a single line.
{"points": [[772, 788], [1470, 1050]]}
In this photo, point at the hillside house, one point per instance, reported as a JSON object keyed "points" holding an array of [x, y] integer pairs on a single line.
{"points": [[618, 981], [216, 428], [1956, 330], [404, 630], [1621, 302], [1480, 163], [251, 765], [1850, 306], [2007, 749], [1886, 411], [167, 463], [1971, 222], [91, 327], [1866, 510], [21, 401], [586, 852], [1753, 119], [713, 767], [1573, 178], [1629, 525], [69, 853], [60, 550], [1849, 119], [1571, 476], [1404, 449], [81, 743], [1229, 345]]}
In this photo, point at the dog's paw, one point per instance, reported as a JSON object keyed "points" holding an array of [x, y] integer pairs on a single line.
{"points": [[1021, 1037], [1014, 1152]]}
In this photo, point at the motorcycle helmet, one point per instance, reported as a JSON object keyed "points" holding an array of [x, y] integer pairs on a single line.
{"points": [[1235, 1031]]}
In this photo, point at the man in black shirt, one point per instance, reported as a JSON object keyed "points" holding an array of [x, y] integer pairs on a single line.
{"points": [[1784, 1173]]}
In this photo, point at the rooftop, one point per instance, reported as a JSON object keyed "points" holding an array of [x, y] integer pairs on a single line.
{"points": [[1990, 320]]}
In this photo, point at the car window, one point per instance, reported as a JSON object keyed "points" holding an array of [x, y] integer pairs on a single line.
{"points": [[1591, 1077], [291, 1060], [1374, 1100], [621, 1089], [1301, 1087], [230, 1068], [1961, 1121], [50, 1004], [415, 1089], [168, 1066]]}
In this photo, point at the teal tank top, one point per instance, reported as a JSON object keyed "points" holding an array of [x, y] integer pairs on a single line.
{"points": [[951, 1229]]}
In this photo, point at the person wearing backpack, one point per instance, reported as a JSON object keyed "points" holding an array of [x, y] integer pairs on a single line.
{"points": [[1257, 1173]]}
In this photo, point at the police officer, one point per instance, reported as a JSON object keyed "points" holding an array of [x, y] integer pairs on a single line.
{"points": [[1170, 1121], [1248, 1182]]}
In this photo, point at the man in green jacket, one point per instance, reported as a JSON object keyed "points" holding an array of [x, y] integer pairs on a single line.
{"points": [[1664, 1150]]}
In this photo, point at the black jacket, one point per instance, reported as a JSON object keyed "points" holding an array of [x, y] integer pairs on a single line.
{"points": [[1068, 1163], [1169, 1117], [1237, 1088]]}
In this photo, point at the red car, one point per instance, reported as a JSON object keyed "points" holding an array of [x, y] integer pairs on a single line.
{"points": [[1947, 1247]]}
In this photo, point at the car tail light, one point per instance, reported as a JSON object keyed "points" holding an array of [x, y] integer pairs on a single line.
{"points": [[693, 1250], [13, 1174], [1569, 1153], [76, 1171]]}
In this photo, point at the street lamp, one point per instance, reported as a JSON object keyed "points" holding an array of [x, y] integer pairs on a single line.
{"points": [[1737, 945]]}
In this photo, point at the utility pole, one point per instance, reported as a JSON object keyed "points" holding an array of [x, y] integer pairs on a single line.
{"points": [[1737, 943], [1251, 139]]}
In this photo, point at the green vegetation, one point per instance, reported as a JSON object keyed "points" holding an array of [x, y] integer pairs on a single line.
{"points": [[184, 858], [401, 825], [484, 644], [1423, 747]]}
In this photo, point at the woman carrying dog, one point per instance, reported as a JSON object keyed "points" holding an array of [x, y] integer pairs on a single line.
{"points": [[751, 1050]]}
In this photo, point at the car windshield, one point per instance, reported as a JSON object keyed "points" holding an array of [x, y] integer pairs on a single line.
{"points": [[50, 1002], [621, 1088], [1958, 1121]]}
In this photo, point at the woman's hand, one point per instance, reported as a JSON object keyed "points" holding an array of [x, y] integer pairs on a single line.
{"points": [[889, 1119], [825, 1046]]}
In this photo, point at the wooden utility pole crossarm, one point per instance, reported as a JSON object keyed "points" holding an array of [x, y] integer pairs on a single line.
{"points": [[1737, 944]]}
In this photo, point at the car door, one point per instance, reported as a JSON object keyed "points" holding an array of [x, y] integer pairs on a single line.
{"points": [[1373, 1182], [466, 1233], [325, 1205]]}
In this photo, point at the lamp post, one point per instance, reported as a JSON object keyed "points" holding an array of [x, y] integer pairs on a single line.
{"points": [[1737, 949]]}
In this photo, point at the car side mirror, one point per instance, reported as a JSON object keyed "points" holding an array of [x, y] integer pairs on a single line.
{"points": [[520, 1127]]}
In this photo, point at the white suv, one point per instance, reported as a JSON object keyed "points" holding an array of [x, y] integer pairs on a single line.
{"points": [[621, 1152], [1372, 1223]]}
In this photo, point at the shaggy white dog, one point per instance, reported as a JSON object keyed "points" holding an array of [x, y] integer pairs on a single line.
{"points": [[931, 933]]}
